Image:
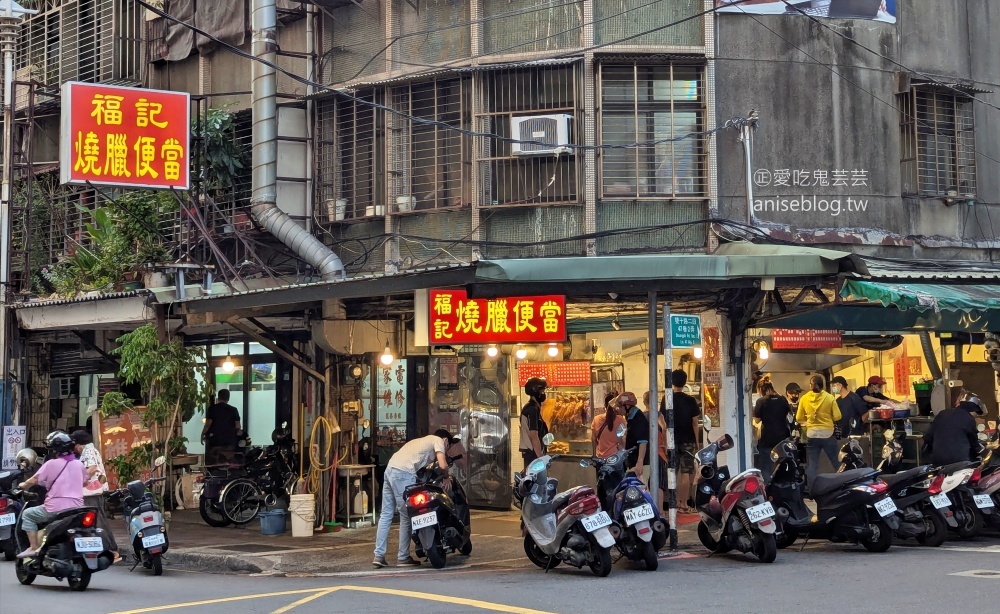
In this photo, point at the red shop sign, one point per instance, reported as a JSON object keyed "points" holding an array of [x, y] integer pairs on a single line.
{"points": [[805, 339], [457, 319], [555, 374], [125, 136]]}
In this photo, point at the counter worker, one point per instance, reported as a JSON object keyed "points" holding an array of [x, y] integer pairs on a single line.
{"points": [[400, 472], [872, 393]]}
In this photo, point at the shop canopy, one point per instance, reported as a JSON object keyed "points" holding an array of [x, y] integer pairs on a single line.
{"points": [[899, 307]]}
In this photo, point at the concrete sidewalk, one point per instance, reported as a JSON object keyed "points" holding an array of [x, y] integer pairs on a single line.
{"points": [[196, 546]]}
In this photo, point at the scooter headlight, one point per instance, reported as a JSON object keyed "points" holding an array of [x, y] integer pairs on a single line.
{"points": [[633, 494]]}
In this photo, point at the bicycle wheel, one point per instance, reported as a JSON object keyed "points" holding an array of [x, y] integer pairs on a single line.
{"points": [[241, 501]]}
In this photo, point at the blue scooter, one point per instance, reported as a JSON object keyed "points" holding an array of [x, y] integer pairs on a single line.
{"points": [[146, 530], [638, 529]]}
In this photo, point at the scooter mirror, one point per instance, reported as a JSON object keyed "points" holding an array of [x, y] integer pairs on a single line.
{"points": [[549, 438], [620, 432], [160, 461], [726, 443]]}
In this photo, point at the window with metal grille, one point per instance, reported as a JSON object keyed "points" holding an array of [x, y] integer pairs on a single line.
{"points": [[433, 164], [536, 98], [652, 104], [360, 144], [937, 143]]}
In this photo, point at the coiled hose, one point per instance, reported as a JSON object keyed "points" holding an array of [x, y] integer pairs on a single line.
{"points": [[318, 464]]}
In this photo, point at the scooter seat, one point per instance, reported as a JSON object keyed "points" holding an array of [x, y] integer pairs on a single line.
{"points": [[952, 468], [903, 476], [66, 514], [829, 482], [144, 507]]}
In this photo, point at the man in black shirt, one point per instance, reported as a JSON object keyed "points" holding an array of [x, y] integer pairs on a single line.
{"points": [[686, 427], [872, 393], [222, 421], [852, 407], [533, 427], [953, 437], [772, 410], [637, 435]]}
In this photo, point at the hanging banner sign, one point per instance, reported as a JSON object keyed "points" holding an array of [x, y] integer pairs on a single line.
{"points": [[456, 319], [555, 374], [805, 339], [875, 10], [125, 136]]}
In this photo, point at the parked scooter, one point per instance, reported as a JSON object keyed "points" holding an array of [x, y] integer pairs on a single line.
{"points": [[567, 527], [70, 546], [146, 530], [988, 483], [853, 505], [923, 511], [440, 521], [10, 507], [637, 527], [734, 510]]}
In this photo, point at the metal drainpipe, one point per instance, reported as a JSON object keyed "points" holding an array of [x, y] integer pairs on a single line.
{"points": [[263, 202]]}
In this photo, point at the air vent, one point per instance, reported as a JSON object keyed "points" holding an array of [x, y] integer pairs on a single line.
{"points": [[550, 131]]}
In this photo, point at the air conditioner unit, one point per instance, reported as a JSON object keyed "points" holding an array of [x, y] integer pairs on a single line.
{"points": [[552, 131]]}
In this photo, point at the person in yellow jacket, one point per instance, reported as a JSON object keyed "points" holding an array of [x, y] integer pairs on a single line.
{"points": [[818, 413]]}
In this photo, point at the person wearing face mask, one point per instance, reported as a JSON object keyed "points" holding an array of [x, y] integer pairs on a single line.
{"points": [[852, 407], [872, 393], [533, 427], [818, 413], [792, 392]]}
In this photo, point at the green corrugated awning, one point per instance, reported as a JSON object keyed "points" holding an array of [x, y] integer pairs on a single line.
{"points": [[969, 299]]}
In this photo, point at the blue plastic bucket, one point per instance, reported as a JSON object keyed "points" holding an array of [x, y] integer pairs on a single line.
{"points": [[272, 523]]}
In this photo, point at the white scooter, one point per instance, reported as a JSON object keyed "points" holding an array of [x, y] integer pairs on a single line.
{"points": [[568, 527]]}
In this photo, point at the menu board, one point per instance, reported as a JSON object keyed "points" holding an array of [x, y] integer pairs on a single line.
{"points": [[390, 404], [117, 436], [555, 374]]}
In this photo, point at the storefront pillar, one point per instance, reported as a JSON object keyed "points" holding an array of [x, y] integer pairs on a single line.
{"points": [[654, 467]]}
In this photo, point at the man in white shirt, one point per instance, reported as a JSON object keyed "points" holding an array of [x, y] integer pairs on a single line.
{"points": [[400, 473]]}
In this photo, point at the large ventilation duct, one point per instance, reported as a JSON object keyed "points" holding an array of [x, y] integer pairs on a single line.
{"points": [[263, 202], [929, 356]]}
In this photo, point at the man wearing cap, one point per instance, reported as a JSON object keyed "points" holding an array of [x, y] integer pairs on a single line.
{"points": [[872, 393], [792, 392], [852, 408], [400, 473]]}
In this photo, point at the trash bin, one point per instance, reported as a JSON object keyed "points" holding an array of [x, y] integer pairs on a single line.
{"points": [[272, 523]]}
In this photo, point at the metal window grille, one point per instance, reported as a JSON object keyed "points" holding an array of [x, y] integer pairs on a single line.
{"points": [[434, 162], [522, 26], [80, 40], [653, 103], [431, 31], [937, 143], [359, 167], [354, 35], [509, 179]]}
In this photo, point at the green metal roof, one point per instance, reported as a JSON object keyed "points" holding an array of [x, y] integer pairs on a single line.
{"points": [[926, 297]]}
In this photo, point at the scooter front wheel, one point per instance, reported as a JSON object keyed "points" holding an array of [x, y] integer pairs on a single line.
{"points": [[22, 574], [708, 541], [973, 524], [881, 538], [785, 538], [536, 556], [935, 530], [211, 513]]}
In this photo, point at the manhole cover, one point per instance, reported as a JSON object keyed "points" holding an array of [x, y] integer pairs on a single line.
{"points": [[979, 573], [986, 573], [252, 548]]}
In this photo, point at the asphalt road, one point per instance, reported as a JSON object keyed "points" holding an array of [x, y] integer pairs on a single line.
{"points": [[821, 578]]}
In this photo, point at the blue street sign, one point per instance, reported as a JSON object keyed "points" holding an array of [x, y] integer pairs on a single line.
{"points": [[685, 331]]}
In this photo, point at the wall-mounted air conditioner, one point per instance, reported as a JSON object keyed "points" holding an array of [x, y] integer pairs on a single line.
{"points": [[551, 131]]}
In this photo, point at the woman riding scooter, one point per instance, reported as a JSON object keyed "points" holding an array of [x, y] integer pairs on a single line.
{"points": [[63, 476]]}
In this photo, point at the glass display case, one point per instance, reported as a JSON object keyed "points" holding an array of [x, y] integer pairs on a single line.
{"points": [[567, 412]]}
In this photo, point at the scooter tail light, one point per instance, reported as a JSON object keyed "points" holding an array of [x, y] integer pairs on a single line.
{"points": [[751, 485], [935, 487], [978, 473], [147, 519], [879, 486], [3, 504], [89, 519], [418, 499]]}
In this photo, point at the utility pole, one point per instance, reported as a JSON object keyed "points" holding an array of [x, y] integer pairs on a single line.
{"points": [[11, 14], [747, 128]]}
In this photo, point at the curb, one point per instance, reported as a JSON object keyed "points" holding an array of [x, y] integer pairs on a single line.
{"points": [[217, 563]]}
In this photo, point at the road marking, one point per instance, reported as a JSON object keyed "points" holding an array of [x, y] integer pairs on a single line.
{"points": [[316, 593], [986, 574], [191, 604], [303, 601], [984, 549]]}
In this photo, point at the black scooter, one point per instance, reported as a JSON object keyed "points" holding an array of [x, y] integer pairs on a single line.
{"points": [[70, 546], [853, 506], [923, 510], [440, 522]]}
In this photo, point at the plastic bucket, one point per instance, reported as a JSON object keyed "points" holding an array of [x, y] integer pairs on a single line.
{"points": [[272, 523], [303, 509]]}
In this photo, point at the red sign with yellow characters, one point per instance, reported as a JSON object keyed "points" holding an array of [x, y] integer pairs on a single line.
{"points": [[457, 319], [125, 136]]}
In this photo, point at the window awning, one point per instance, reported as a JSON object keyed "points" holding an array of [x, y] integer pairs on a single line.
{"points": [[976, 298]]}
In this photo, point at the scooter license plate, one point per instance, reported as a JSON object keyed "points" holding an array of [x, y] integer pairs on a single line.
{"points": [[983, 501], [155, 539], [940, 501], [7, 520], [88, 544], [760, 512], [424, 520], [638, 514], [596, 521], [885, 507]]}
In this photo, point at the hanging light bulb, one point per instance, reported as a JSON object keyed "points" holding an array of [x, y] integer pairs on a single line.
{"points": [[521, 353], [553, 350], [615, 324], [228, 365], [387, 356], [492, 351], [762, 352], [698, 353]]}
